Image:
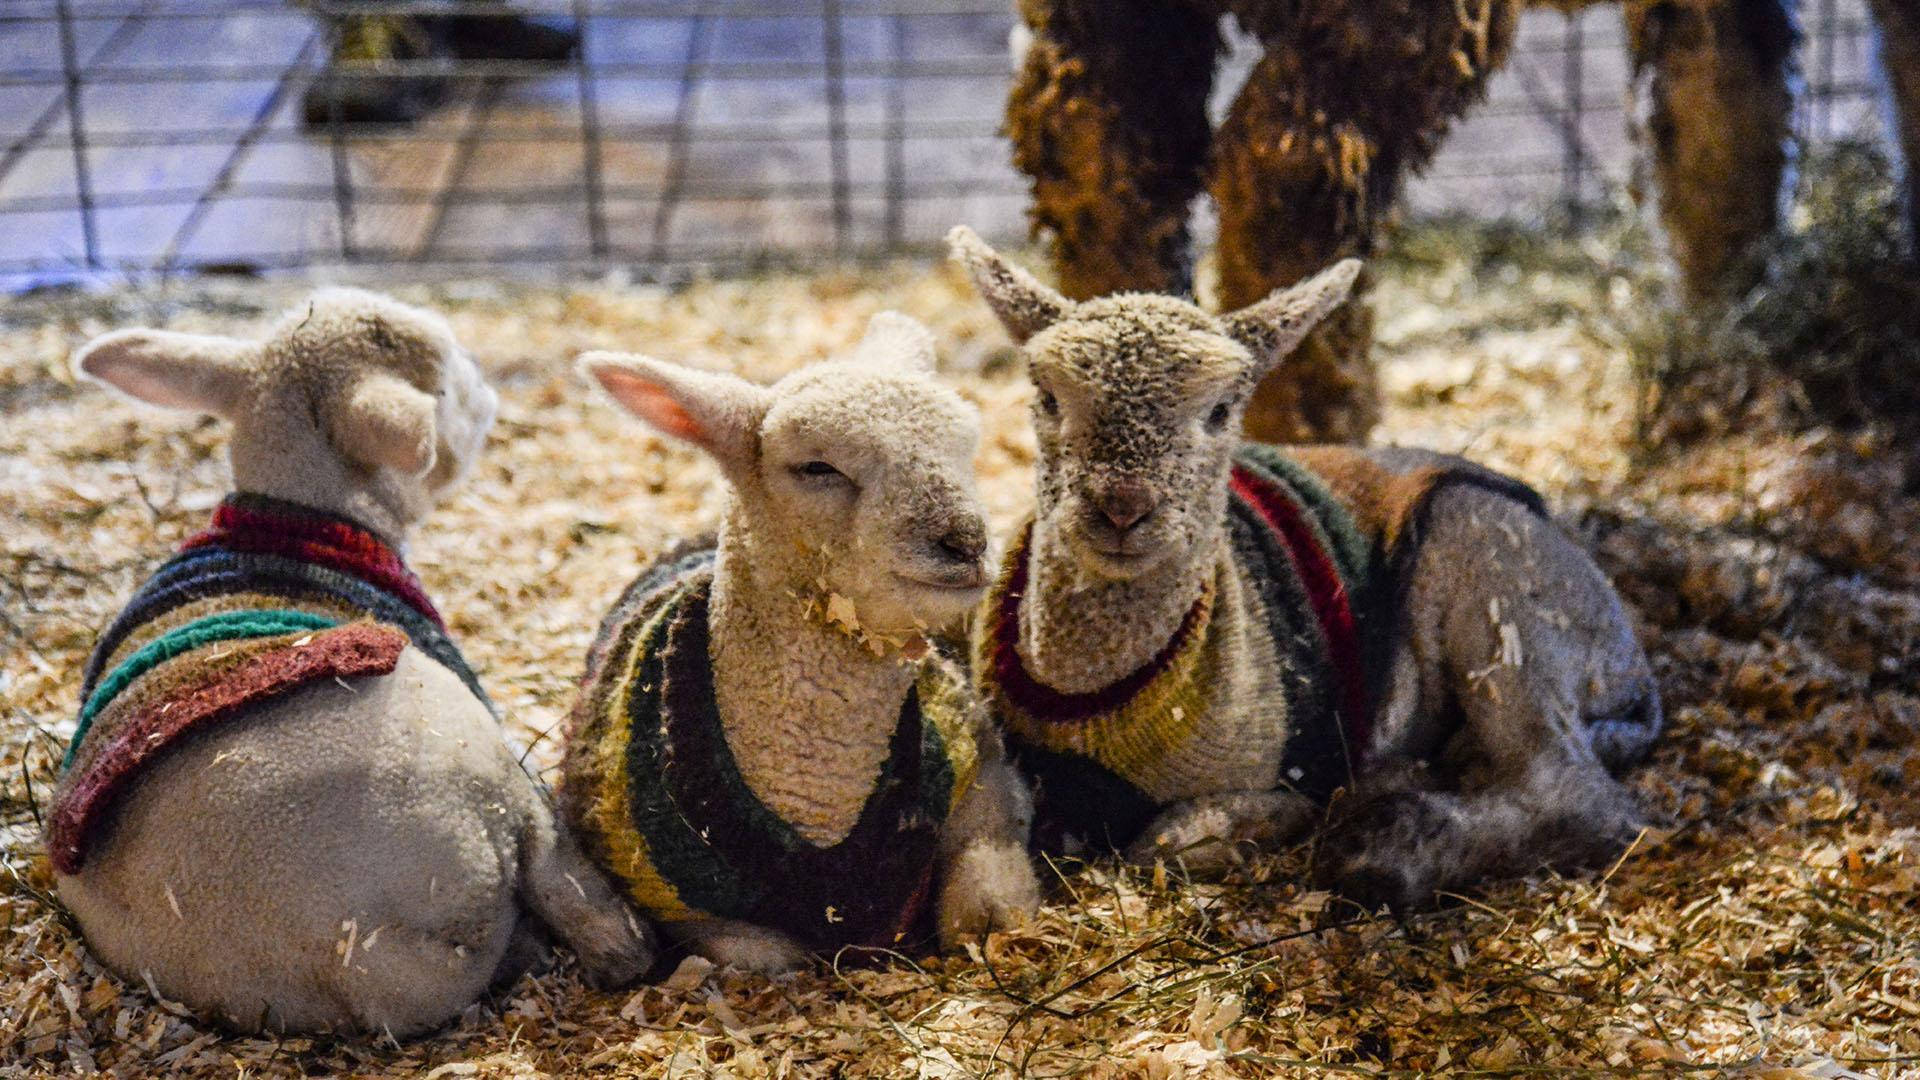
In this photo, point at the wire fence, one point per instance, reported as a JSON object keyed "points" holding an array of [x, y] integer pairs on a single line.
{"points": [[162, 136]]}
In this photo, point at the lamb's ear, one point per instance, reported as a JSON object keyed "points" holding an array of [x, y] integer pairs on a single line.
{"points": [[384, 421], [1274, 327], [717, 412], [1025, 306], [181, 371], [897, 342]]}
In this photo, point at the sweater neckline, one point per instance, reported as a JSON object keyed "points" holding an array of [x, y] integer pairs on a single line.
{"points": [[1049, 705], [262, 524], [721, 849]]}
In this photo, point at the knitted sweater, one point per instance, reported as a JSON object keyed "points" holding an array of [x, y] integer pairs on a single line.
{"points": [[273, 596], [655, 795], [1318, 543]]}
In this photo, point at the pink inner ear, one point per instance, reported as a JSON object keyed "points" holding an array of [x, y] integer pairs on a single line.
{"points": [[653, 404]]}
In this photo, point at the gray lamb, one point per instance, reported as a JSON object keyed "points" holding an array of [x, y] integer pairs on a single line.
{"points": [[1197, 641]]}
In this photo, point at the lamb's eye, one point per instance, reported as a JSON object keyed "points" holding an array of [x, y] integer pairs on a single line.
{"points": [[1218, 418], [817, 470], [1049, 404]]}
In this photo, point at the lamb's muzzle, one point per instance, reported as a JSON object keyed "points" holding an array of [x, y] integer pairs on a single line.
{"points": [[1124, 503]]}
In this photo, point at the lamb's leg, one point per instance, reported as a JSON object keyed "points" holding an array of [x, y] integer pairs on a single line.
{"points": [[614, 944], [742, 946], [1306, 166], [1900, 52], [1108, 118], [1714, 112], [1511, 620], [1213, 833], [987, 880], [1403, 846], [529, 950]]}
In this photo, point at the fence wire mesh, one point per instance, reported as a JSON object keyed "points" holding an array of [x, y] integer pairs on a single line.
{"points": [[156, 136]]}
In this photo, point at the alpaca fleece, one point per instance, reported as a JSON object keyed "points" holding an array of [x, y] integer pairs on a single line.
{"points": [[272, 597], [661, 802], [1108, 119], [1313, 539]]}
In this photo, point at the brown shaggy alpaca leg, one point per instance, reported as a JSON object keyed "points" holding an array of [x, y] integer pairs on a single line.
{"points": [[1108, 117], [1712, 76], [1900, 48], [1308, 163]]}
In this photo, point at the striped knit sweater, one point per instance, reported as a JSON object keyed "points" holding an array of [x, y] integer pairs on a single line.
{"points": [[1317, 543], [273, 596], [656, 797]]}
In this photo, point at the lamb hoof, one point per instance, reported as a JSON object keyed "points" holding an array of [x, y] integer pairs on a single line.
{"points": [[529, 952], [1202, 858], [754, 954], [618, 957], [1375, 887], [1384, 853], [1371, 882], [987, 889]]}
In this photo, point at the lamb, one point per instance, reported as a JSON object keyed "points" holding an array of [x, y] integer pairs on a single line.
{"points": [[1196, 641], [765, 753], [288, 804]]}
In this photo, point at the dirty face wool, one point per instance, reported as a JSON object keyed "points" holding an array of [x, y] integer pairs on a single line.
{"points": [[655, 795], [272, 597], [1318, 551]]}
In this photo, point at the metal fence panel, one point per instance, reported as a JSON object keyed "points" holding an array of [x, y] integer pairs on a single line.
{"points": [[155, 136]]}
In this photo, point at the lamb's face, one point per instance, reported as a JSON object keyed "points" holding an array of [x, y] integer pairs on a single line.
{"points": [[1136, 412], [868, 475], [1138, 402], [853, 479]]}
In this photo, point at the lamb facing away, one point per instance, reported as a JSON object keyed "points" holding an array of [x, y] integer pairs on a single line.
{"points": [[1198, 640], [288, 804], [764, 753]]}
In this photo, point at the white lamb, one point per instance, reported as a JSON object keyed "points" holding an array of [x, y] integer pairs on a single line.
{"points": [[1199, 640], [288, 805], [765, 754]]}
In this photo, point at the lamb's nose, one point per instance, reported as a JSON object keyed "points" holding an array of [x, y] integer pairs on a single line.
{"points": [[1125, 502], [964, 543]]}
